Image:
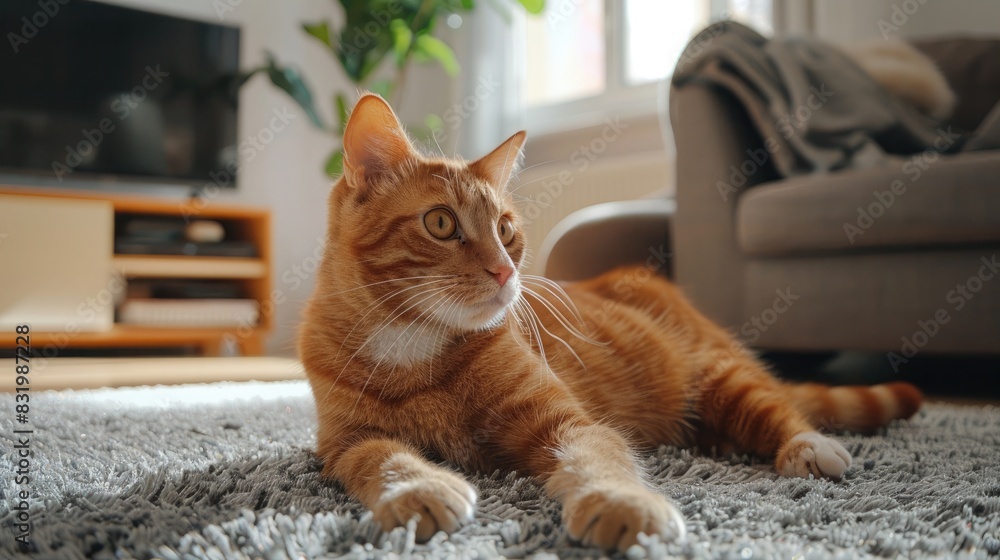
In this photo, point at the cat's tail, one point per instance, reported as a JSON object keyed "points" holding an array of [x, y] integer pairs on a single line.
{"points": [[855, 408]]}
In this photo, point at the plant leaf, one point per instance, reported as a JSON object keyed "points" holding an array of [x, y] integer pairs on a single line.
{"points": [[335, 164], [435, 48], [402, 39], [468, 4], [533, 6], [289, 80], [341, 103], [321, 31]]}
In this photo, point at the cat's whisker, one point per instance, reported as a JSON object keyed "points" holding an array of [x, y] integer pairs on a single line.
{"points": [[506, 158], [538, 165], [374, 305], [445, 276], [532, 182], [556, 290], [438, 144], [558, 316], [522, 327], [521, 199], [530, 167], [453, 307], [517, 319], [445, 179], [526, 323], [558, 338], [439, 333], [533, 321]]}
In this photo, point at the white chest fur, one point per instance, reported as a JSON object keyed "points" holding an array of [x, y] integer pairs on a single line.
{"points": [[397, 346]]}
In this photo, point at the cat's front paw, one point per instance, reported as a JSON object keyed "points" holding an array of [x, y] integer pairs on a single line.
{"points": [[612, 519], [815, 454], [443, 502]]}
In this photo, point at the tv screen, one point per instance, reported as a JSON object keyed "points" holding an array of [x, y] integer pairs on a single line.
{"points": [[95, 91]]}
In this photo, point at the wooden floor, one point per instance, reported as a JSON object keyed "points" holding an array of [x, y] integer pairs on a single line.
{"points": [[89, 373]]}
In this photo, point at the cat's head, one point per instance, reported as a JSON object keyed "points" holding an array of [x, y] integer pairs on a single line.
{"points": [[440, 233]]}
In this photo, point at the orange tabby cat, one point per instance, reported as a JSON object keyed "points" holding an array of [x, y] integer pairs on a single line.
{"points": [[424, 341]]}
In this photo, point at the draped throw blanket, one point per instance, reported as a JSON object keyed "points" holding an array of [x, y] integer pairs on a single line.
{"points": [[815, 109]]}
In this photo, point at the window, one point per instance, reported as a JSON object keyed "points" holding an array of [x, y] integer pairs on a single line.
{"points": [[584, 57]]}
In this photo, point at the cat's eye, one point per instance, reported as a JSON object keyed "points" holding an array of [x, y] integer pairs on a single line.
{"points": [[505, 230], [441, 223]]}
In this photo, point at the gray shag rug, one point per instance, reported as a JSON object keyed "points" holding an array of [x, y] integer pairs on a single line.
{"points": [[225, 471]]}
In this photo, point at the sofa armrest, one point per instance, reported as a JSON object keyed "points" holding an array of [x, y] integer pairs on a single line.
{"points": [[719, 155], [604, 236]]}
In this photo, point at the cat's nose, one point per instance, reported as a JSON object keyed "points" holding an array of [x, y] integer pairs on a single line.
{"points": [[501, 273]]}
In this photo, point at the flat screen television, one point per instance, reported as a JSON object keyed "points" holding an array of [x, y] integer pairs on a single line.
{"points": [[93, 91]]}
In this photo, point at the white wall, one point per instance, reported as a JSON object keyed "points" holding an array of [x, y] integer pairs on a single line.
{"points": [[853, 20]]}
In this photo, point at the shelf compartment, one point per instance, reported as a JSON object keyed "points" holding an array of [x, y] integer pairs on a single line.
{"points": [[159, 266]]}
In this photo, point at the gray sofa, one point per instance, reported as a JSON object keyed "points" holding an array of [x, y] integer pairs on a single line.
{"points": [[900, 258]]}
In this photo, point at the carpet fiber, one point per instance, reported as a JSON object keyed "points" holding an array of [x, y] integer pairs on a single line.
{"points": [[224, 471]]}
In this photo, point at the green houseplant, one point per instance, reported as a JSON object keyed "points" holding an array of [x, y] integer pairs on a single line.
{"points": [[371, 32]]}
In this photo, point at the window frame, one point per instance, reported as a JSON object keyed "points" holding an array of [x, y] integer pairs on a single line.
{"points": [[619, 99]]}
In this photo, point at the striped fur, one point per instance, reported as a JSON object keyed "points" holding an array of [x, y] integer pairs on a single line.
{"points": [[417, 349]]}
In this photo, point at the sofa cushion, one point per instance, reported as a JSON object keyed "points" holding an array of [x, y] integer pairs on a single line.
{"points": [[923, 200], [972, 68]]}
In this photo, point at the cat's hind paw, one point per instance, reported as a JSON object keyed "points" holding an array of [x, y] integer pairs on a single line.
{"points": [[815, 454], [443, 502], [613, 519]]}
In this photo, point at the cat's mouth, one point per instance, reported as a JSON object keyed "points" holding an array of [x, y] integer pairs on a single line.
{"points": [[494, 302], [484, 313]]}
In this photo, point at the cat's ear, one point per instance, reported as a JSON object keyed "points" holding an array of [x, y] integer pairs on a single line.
{"points": [[497, 166], [374, 141]]}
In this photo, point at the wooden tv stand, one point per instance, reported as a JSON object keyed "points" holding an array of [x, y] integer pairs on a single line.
{"points": [[253, 275]]}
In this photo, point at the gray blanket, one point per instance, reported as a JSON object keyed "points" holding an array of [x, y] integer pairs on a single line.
{"points": [[814, 108]]}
